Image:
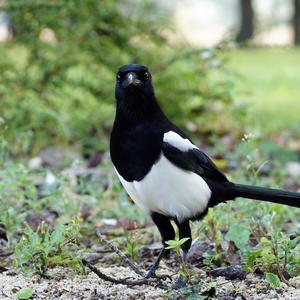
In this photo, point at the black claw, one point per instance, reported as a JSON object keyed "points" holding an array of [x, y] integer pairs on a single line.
{"points": [[162, 286], [152, 274], [164, 277]]}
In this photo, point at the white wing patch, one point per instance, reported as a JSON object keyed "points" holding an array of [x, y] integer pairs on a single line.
{"points": [[178, 142], [169, 190]]}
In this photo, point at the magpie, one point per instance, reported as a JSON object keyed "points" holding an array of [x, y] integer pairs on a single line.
{"points": [[161, 169]]}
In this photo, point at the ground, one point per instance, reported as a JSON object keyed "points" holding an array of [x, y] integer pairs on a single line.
{"points": [[70, 286]]}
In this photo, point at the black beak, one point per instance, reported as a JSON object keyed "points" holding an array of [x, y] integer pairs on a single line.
{"points": [[132, 79]]}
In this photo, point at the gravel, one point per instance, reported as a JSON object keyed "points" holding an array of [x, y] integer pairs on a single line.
{"points": [[64, 284]]}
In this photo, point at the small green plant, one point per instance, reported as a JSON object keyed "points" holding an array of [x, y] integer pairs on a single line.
{"points": [[213, 233], [190, 292], [199, 291], [133, 245], [38, 250], [254, 166], [276, 253], [175, 244], [11, 219]]}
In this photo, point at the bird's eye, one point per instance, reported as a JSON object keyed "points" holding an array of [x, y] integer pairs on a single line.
{"points": [[146, 74], [118, 76]]}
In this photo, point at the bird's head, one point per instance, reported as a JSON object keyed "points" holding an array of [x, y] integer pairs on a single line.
{"points": [[133, 83]]}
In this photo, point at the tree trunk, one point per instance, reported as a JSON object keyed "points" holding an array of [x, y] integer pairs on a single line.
{"points": [[296, 22], [246, 27]]}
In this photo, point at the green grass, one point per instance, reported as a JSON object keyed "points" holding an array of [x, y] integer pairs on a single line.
{"points": [[270, 84]]}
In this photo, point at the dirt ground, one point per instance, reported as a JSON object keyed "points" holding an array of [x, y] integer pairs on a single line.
{"points": [[66, 285]]}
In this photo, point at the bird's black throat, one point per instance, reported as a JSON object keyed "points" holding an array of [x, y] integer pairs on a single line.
{"points": [[136, 104]]}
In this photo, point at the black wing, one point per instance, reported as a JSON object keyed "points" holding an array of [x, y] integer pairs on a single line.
{"points": [[193, 160]]}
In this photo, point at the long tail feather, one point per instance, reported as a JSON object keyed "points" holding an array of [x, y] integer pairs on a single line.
{"points": [[266, 194]]}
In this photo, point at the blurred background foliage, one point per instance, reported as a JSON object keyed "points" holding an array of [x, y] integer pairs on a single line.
{"points": [[58, 72]]}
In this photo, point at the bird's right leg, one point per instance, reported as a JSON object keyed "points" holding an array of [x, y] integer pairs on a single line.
{"points": [[167, 233]]}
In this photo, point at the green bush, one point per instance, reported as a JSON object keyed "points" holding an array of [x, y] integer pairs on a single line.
{"points": [[57, 81]]}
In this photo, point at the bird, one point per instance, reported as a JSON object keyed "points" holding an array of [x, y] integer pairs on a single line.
{"points": [[162, 170]]}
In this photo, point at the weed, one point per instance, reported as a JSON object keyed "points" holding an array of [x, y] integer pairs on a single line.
{"points": [[175, 244], [133, 245], [11, 220], [253, 166], [38, 250], [276, 252], [213, 233], [197, 291]]}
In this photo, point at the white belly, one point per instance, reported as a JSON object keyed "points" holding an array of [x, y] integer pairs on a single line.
{"points": [[169, 190]]}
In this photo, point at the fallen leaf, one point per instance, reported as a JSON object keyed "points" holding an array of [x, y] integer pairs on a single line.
{"points": [[25, 293], [221, 163], [238, 234], [197, 250], [274, 280], [129, 224], [233, 256]]}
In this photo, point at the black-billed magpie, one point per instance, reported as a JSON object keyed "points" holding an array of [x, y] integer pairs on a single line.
{"points": [[162, 170]]}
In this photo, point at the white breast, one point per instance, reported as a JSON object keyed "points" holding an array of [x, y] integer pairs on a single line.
{"points": [[169, 190]]}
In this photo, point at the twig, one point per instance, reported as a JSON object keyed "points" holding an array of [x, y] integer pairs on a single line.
{"points": [[125, 259], [129, 282]]}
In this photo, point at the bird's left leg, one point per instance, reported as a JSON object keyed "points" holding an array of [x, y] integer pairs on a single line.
{"points": [[167, 233], [184, 232]]}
